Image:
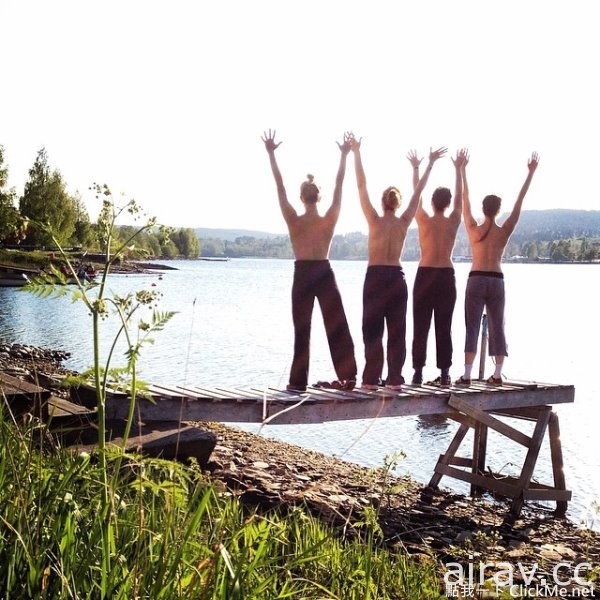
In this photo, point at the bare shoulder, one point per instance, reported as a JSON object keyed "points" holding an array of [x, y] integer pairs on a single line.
{"points": [[422, 216]]}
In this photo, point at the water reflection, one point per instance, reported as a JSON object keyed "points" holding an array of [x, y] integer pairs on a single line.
{"points": [[430, 424]]}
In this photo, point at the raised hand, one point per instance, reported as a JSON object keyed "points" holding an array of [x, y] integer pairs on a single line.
{"points": [[414, 159], [435, 154], [346, 146], [355, 143], [532, 163], [462, 158], [268, 138]]}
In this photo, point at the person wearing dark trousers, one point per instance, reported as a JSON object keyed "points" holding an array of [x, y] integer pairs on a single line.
{"points": [[311, 235], [434, 291], [385, 292]]}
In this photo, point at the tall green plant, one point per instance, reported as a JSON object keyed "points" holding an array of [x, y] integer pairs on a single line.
{"points": [[136, 333]]}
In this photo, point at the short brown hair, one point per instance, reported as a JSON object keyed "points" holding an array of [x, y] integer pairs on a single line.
{"points": [[309, 191], [491, 205], [441, 198]]}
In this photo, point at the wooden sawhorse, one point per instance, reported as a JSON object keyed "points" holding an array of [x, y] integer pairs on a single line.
{"points": [[472, 470]]}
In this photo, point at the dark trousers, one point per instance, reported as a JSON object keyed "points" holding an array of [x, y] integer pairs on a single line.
{"points": [[434, 293], [315, 279], [384, 303]]}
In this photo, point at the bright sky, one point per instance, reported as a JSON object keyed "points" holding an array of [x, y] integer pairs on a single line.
{"points": [[165, 101]]}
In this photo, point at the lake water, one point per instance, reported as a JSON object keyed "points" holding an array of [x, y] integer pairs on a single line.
{"points": [[233, 328]]}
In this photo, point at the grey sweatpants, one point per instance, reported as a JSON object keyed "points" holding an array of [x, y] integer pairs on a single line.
{"points": [[485, 290]]}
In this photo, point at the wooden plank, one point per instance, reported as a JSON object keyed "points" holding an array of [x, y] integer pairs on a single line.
{"points": [[484, 418], [556, 456], [479, 452], [461, 461], [540, 492], [547, 495], [531, 458], [167, 442], [482, 481], [23, 397], [445, 459], [59, 407]]}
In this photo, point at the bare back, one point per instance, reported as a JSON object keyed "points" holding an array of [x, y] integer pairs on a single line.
{"points": [[437, 236], [487, 253], [387, 235], [311, 235]]}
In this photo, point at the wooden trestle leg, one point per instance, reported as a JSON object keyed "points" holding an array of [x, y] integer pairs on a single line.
{"points": [[472, 470]]}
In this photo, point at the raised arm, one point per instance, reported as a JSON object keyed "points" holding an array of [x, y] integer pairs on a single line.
{"points": [[361, 181], [468, 218], [461, 156], [411, 209], [287, 209], [513, 218], [415, 162], [334, 210]]}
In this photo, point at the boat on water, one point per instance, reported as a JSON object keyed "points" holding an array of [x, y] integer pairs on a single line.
{"points": [[13, 279], [63, 275], [16, 277], [214, 258]]}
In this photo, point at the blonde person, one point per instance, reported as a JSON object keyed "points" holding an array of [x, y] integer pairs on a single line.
{"points": [[485, 287], [434, 291], [385, 293], [311, 235]]}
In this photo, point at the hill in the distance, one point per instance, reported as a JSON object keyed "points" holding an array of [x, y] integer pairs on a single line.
{"points": [[232, 234]]}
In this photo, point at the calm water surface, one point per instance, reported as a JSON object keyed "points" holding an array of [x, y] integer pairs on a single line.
{"points": [[233, 327]]}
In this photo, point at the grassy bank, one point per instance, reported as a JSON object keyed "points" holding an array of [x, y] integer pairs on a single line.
{"points": [[173, 535], [36, 259]]}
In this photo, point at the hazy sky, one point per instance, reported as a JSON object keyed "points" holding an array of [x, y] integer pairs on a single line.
{"points": [[166, 101]]}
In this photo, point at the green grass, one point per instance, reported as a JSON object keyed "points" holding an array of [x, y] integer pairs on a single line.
{"points": [[172, 535]]}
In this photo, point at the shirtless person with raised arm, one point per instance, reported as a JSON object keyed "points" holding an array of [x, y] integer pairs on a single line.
{"points": [[311, 235], [485, 287], [434, 292], [385, 293]]}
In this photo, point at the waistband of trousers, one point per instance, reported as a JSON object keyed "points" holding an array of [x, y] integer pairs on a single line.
{"points": [[495, 274]]}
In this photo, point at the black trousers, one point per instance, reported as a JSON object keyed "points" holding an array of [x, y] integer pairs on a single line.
{"points": [[434, 293], [385, 296], [315, 279]]}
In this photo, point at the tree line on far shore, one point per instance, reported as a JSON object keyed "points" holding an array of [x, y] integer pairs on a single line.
{"points": [[45, 200], [548, 235]]}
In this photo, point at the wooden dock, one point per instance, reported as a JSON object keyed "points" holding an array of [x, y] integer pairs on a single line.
{"points": [[479, 407], [318, 405]]}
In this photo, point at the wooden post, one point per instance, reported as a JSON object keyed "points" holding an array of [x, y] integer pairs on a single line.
{"points": [[557, 462], [483, 351], [479, 450], [447, 457], [531, 458]]}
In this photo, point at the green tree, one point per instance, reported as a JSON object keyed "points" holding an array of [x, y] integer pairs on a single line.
{"points": [[10, 220], [532, 251], [47, 204], [187, 242], [84, 234], [213, 247]]}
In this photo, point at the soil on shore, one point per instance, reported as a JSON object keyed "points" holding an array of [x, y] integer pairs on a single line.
{"points": [[267, 474]]}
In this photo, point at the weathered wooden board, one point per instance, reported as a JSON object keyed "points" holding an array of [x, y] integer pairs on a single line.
{"points": [[318, 405]]}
